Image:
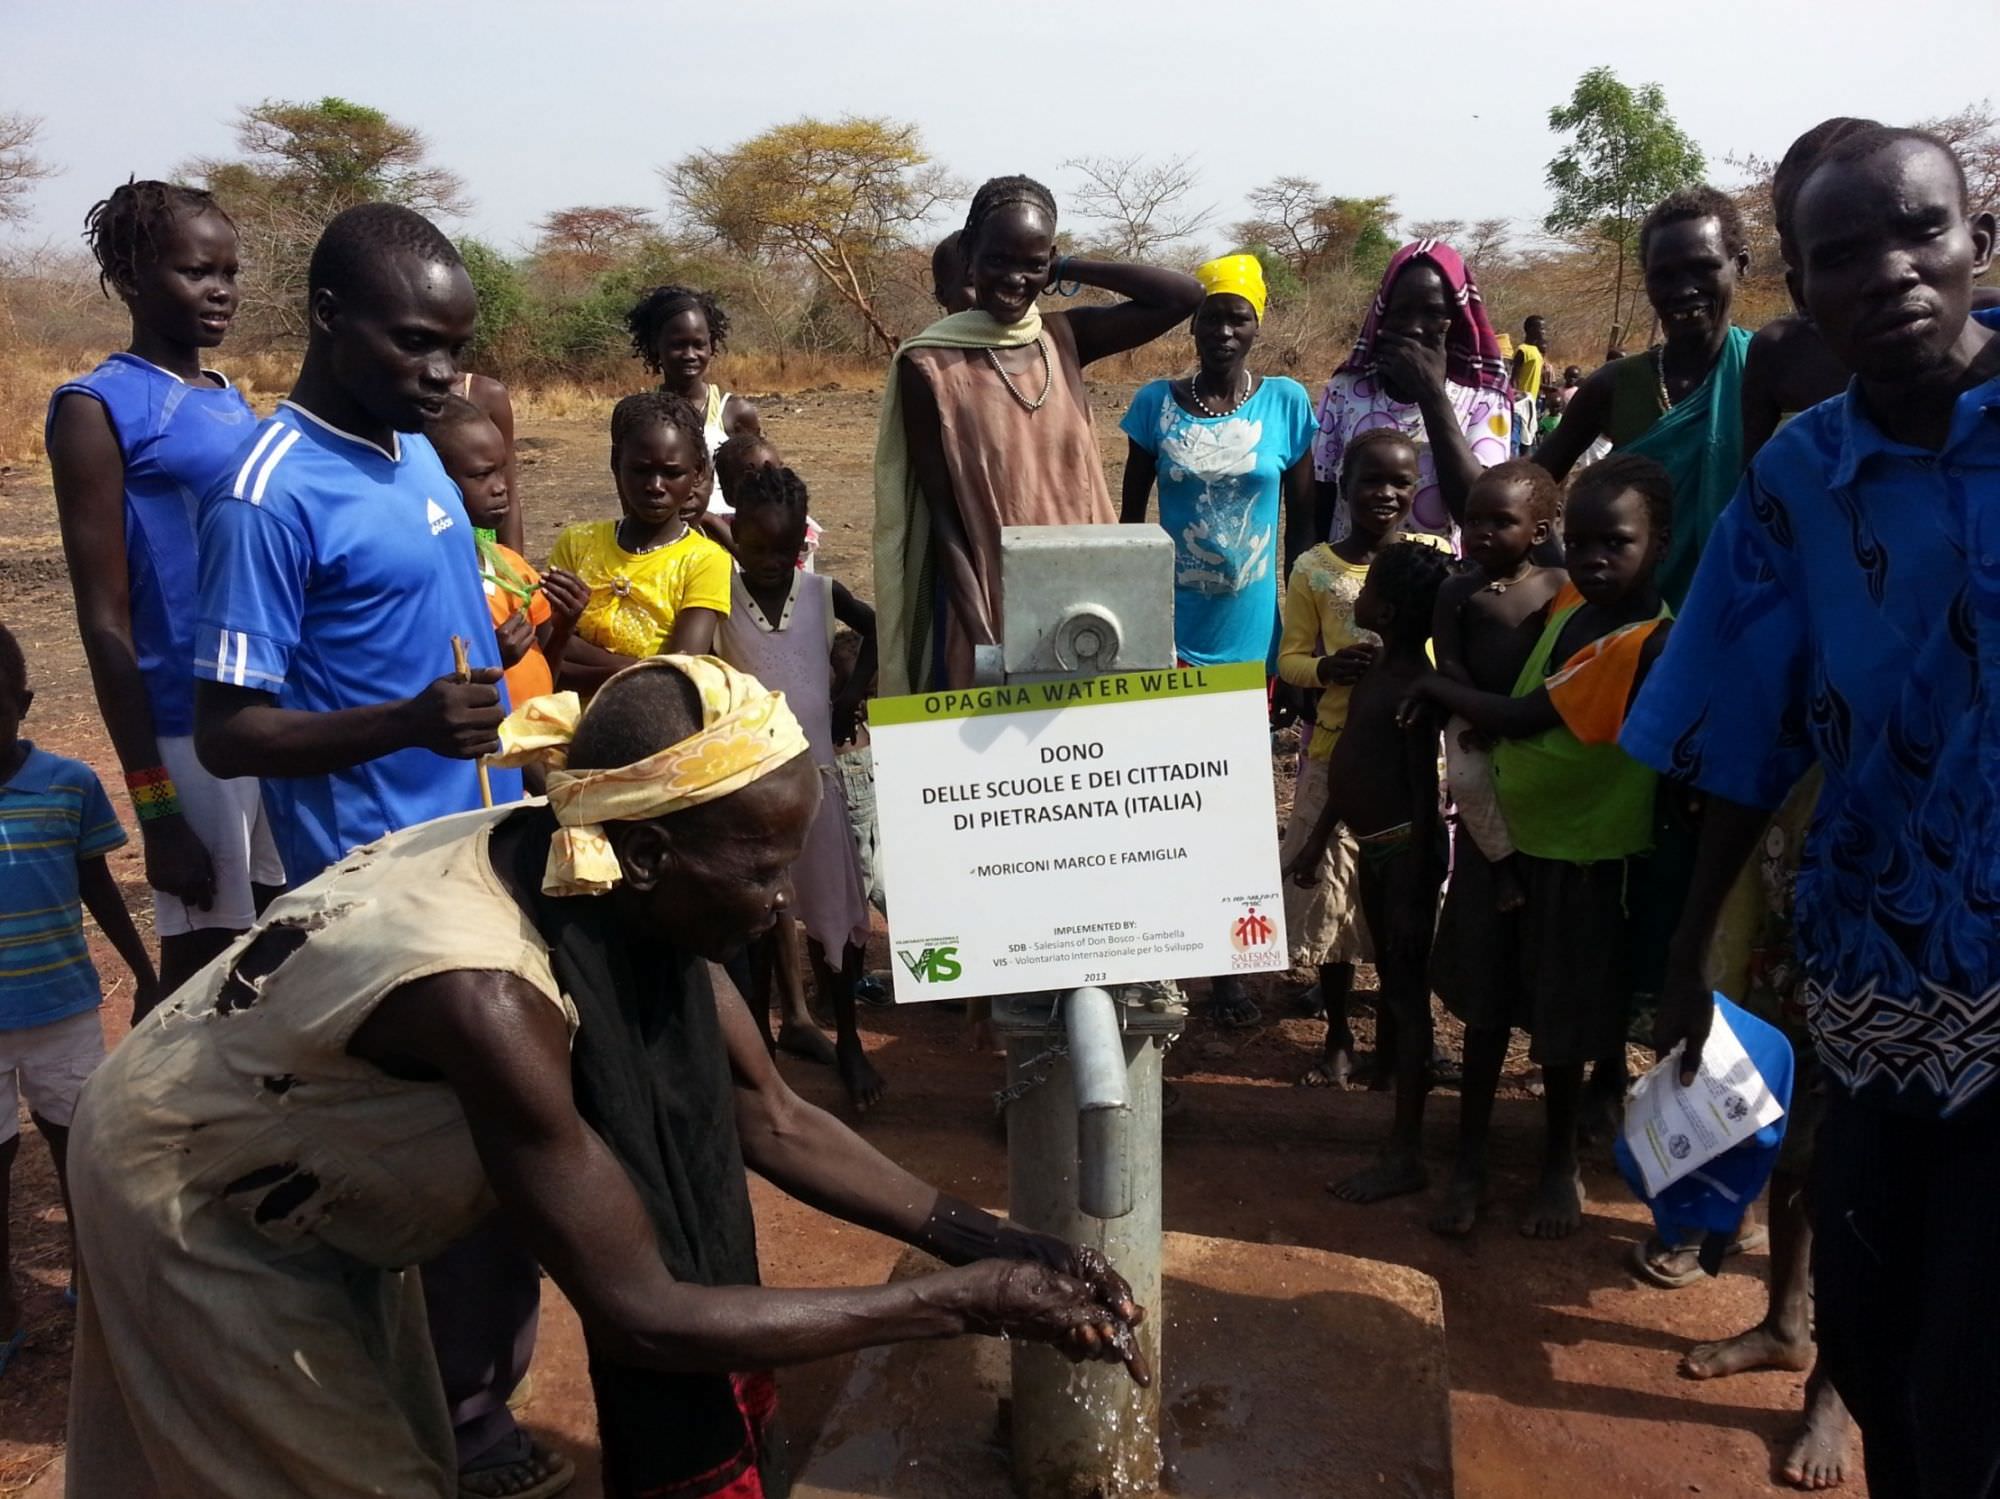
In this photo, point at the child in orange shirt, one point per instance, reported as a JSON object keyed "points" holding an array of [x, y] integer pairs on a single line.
{"points": [[533, 613]]}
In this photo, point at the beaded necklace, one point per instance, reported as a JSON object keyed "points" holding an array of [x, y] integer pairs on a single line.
{"points": [[1048, 376], [1194, 394]]}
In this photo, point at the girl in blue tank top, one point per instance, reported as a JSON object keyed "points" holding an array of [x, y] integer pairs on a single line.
{"points": [[133, 445]]}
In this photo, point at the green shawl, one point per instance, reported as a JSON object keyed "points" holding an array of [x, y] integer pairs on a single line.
{"points": [[1700, 444]]}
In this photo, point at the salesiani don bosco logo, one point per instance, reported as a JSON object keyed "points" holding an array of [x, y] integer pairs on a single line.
{"points": [[934, 963], [1252, 930]]}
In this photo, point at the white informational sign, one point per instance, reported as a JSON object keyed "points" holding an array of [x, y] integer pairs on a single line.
{"points": [[1672, 1130], [1107, 830]]}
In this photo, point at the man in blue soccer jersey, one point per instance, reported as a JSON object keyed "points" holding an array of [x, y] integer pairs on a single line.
{"points": [[337, 563], [1846, 613]]}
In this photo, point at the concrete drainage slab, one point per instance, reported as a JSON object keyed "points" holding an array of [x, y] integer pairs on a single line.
{"points": [[1288, 1372]]}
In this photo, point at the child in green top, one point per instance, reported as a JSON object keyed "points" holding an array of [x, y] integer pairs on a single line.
{"points": [[1580, 810]]}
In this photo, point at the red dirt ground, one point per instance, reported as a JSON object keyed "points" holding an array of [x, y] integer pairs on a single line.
{"points": [[1563, 1367]]}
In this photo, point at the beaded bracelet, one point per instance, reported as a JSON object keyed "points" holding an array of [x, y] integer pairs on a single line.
{"points": [[153, 793]]}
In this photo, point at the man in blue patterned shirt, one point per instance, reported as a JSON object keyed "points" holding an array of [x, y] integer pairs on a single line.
{"points": [[1847, 613]]}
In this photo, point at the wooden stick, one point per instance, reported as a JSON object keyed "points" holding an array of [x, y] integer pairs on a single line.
{"points": [[461, 665]]}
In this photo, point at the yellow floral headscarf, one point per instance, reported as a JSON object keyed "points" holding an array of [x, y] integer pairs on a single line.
{"points": [[747, 733]]}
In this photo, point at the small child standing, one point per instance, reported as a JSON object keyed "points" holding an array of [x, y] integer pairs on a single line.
{"points": [[1324, 648], [534, 614], [656, 584], [780, 629], [56, 826], [1382, 784], [1488, 617], [1580, 811]]}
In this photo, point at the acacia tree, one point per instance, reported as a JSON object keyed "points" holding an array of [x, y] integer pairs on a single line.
{"points": [[840, 196], [1142, 205], [303, 163], [1624, 154], [574, 247], [20, 167], [595, 237]]}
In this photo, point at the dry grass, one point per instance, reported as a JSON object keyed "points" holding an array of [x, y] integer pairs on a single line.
{"points": [[27, 375], [29, 371]]}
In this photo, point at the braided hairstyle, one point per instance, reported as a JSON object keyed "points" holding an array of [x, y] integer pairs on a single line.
{"points": [[661, 306], [995, 194], [125, 230], [650, 408], [771, 486]]}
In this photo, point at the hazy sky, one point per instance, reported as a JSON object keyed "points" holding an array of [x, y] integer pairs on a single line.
{"points": [[541, 106]]}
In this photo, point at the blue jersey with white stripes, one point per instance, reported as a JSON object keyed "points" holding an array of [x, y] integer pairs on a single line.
{"points": [[175, 438], [334, 574]]}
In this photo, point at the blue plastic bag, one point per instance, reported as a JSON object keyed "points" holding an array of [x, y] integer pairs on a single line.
{"points": [[1709, 1203]]}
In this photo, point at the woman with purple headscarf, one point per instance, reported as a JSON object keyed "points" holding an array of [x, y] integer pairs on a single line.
{"points": [[1426, 363]]}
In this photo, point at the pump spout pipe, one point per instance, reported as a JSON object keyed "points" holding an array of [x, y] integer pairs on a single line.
{"points": [[1103, 1110]]}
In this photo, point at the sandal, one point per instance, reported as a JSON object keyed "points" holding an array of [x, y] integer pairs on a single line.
{"points": [[11, 1347], [533, 1472], [1653, 1259]]}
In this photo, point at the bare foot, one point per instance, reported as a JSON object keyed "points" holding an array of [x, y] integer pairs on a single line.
{"points": [[1508, 892], [858, 1075], [1762, 1347], [807, 1042], [1397, 1174], [1557, 1211], [1329, 1071], [1458, 1211], [1819, 1457]]}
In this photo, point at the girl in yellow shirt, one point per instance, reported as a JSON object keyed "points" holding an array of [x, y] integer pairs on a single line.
{"points": [[656, 584]]}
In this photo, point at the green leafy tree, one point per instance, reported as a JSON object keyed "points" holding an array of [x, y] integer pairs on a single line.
{"points": [[841, 196], [1623, 155], [503, 302], [301, 164]]}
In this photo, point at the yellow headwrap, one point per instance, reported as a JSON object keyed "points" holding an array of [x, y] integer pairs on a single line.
{"points": [[747, 733], [1236, 276]]}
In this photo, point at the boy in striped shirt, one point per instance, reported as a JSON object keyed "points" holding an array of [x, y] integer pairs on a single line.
{"points": [[56, 826]]}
